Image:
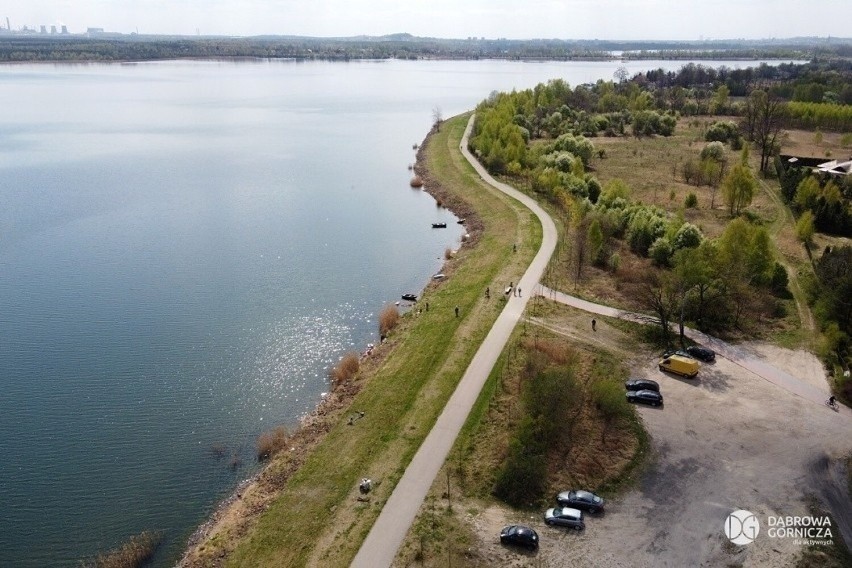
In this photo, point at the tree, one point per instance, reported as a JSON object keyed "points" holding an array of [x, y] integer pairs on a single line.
{"points": [[437, 118], [661, 297], [595, 241], [805, 227], [738, 188], [696, 268], [621, 74], [762, 123], [720, 99]]}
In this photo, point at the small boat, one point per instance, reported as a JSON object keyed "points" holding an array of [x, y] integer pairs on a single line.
{"points": [[439, 276], [461, 221], [410, 297], [439, 225]]}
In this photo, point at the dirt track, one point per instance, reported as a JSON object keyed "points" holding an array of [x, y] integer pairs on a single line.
{"points": [[728, 440]]}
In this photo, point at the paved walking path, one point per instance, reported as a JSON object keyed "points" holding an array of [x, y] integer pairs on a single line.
{"points": [[738, 355], [389, 530]]}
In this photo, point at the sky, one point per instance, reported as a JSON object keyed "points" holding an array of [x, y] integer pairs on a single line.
{"points": [[513, 19]]}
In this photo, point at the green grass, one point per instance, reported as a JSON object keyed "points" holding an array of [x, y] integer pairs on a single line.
{"points": [[402, 401]]}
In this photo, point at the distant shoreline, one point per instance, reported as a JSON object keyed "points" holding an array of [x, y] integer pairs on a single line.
{"points": [[32, 47]]}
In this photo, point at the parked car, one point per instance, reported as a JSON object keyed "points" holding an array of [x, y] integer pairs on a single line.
{"points": [[642, 384], [565, 517], [519, 535], [585, 500], [684, 366], [702, 353], [646, 396], [678, 352]]}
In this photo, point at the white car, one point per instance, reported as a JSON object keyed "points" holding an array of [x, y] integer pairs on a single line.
{"points": [[565, 517]]}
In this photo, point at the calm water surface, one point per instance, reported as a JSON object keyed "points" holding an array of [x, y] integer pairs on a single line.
{"points": [[185, 249]]}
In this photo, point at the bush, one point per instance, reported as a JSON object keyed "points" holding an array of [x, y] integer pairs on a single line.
{"points": [[614, 262], [687, 236], [645, 225], [714, 151], [722, 131], [805, 227], [691, 201], [550, 401], [779, 280], [660, 252], [346, 369], [132, 554], [579, 146], [388, 319], [271, 442]]}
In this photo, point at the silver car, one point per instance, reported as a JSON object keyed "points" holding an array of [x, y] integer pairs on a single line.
{"points": [[565, 517]]}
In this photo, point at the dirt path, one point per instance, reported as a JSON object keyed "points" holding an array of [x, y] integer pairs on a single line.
{"points": [[398, 513]]}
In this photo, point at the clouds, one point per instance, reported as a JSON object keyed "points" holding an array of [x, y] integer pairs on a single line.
{"points": [[566, 19]]}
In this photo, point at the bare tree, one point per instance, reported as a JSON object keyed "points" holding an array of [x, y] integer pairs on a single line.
{"points": [[762, 123], [437, 118]]}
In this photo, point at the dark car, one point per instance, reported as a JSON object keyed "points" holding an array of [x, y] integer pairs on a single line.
{"points": [[565, 517], [683, 353], [585, 500], [646, 396], [702, 353], [519, 535], [642, 384]]}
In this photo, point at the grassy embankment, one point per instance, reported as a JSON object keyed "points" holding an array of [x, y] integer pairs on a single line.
{"points": [[317, 519], [596, 440]]}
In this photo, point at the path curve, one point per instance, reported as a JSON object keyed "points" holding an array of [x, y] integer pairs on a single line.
{"points": [[380, 547], [735, 354]]}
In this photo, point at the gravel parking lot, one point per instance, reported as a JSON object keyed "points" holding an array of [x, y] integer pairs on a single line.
{"points": [[727, 440]]}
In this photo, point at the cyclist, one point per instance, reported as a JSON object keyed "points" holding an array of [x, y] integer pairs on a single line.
{"points": [[832, 402]]}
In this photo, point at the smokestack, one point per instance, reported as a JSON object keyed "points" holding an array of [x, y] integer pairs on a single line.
{"points": [[8, 25]]}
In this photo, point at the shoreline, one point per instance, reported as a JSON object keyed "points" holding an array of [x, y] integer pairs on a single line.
{"points": [[235, 514]]}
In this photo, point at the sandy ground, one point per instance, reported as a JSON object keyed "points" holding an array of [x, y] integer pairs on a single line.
{"points": [[727, 440]]}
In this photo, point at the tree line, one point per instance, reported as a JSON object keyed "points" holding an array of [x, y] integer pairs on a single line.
{"points": [[35, 47]]}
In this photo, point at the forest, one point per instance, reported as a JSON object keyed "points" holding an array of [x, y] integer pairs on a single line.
{"points": [[545, 141], [20, 47]]}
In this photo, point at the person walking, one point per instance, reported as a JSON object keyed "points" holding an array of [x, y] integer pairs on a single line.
{"points": [[519, 291], [594, 323], [457, 311]]}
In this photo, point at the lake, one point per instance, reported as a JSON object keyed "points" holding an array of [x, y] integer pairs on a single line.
{"points": [[185, 250]]}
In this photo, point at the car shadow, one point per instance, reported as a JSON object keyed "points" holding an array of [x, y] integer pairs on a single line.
{"points": [[714, 380], [648, 406], [523, 551], [694, 382]]}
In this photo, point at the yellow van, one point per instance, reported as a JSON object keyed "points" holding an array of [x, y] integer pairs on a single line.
{"points": [[680, 365]]}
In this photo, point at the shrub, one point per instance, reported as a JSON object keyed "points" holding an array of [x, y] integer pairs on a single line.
{"points": [[579, 146], [132, 554], [645, 225], [346, 369], [614, 262], [691, 201], [805, 227], [271, 442], [779, 280], [593, 187], [687, 236], [722, 131], [714, 151], [388, 319], [660, 252]]}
